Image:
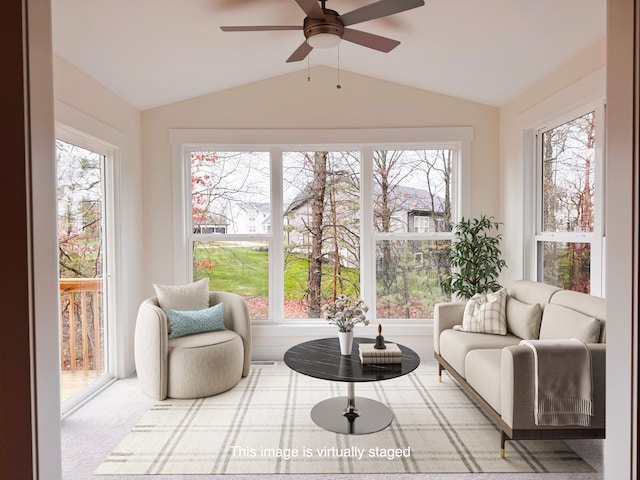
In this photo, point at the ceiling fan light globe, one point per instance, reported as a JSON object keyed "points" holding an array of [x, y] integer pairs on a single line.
{"points": [[324, 40]]}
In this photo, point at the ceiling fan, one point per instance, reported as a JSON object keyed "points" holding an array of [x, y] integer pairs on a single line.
{"points": [[324, 28]]}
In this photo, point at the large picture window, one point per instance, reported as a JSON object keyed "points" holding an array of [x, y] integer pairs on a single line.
{"points": [[290, 229], [569, 215]]}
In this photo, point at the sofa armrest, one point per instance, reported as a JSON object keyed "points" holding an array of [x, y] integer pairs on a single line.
{"points": [[236, 318], [518, 384], [150, 350], [445, 316]]}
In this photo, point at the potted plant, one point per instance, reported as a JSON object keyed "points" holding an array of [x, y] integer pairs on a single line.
{"points": [[474, 258]]}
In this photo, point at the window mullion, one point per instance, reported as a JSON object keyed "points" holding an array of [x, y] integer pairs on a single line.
{"points": [[182, 234], [367, 241], [597, 246], [276, 252]]}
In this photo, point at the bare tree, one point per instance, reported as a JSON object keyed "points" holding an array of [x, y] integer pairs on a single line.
{"points": [[333, 189], [567, 166], [222, 180], [79, 177], [408, 186], [316, 229], [384, 163], [437, 169], [80, 248]]}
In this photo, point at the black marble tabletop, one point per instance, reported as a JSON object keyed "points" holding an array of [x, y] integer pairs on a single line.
{"points": [[322, 359]]}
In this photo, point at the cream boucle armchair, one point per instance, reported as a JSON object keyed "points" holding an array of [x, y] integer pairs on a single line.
{"points": [[196, 365]]}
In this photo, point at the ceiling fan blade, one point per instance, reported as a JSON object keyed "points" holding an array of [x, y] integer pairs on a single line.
{"points": [[259, 28], [301, 52], [379, 9], [382, 44], [311, 8]]}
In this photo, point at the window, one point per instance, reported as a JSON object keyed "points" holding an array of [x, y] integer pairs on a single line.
{"points": [[569, 233], [303, 225], [82, 186], [411, 188], [225, 188], [420, 224], [322, 224]]}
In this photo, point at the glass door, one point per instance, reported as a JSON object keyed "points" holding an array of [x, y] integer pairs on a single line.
{"points": [[82, 250]]}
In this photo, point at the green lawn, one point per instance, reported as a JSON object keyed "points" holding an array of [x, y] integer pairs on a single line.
{"points": [[245, 270]]}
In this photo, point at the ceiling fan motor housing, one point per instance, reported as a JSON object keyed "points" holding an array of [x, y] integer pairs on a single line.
{"points": [[330, 24]]}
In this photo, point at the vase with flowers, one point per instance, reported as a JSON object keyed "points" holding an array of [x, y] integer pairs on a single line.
{"points": [[345, 313]]}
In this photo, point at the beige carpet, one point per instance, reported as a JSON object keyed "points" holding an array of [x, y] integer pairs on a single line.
{"points": [[263, 425]]}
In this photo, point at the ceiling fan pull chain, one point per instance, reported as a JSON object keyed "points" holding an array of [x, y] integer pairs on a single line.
{"points": [[338, 86], [308, 69]]}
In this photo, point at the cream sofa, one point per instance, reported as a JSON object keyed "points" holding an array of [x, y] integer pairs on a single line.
{"points": [[498, 373]]}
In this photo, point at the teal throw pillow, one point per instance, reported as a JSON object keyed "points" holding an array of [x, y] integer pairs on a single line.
{"points": [[188, 322]]}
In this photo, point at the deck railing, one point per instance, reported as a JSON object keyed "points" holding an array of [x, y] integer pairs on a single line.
{"points": [[82, 332]]}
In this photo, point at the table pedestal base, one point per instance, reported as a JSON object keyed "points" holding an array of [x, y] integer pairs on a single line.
{"points": [[356, 415]]}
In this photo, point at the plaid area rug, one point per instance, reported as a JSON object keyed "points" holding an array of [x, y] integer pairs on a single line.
{"points": [[263, 425]]}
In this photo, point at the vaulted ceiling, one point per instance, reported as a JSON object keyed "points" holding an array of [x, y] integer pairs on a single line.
{"points": [[155, 52]]}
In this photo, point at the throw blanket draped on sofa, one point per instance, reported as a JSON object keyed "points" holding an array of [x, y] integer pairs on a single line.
{"points": [[564, 395]]}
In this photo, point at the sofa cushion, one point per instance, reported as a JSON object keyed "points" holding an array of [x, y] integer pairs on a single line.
{"points": [[205, 339], [590, 305], [486, 313], [204, 364], [189, 322], [523, 320], [455, 344], [531, 292], [562, 322], [483, 373]]}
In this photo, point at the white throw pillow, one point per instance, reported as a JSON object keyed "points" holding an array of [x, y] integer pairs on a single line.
{"points": [[193, 296], [523, 320], [486, 313], [562, 322]]}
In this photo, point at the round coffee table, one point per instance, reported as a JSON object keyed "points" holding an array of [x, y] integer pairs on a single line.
{"points": [[355, 415]]}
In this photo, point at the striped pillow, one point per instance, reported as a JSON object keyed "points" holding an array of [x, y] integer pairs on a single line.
{"points": [[486, 313]]}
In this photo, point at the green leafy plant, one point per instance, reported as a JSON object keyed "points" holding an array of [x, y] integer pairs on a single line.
{"points": [[474, 258]]}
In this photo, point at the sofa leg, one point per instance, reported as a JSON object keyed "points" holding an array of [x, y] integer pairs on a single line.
{"points": [[503, 438], [440, 369]]}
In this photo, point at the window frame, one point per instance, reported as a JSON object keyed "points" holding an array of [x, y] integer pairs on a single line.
{"points": [[275, 142], [596, 238]]}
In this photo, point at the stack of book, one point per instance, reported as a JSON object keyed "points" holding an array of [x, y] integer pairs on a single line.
{"points": [[370, 355]]}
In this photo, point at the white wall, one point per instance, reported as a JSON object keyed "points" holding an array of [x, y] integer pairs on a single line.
{"points": [[578, 83], [87, 106]]}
